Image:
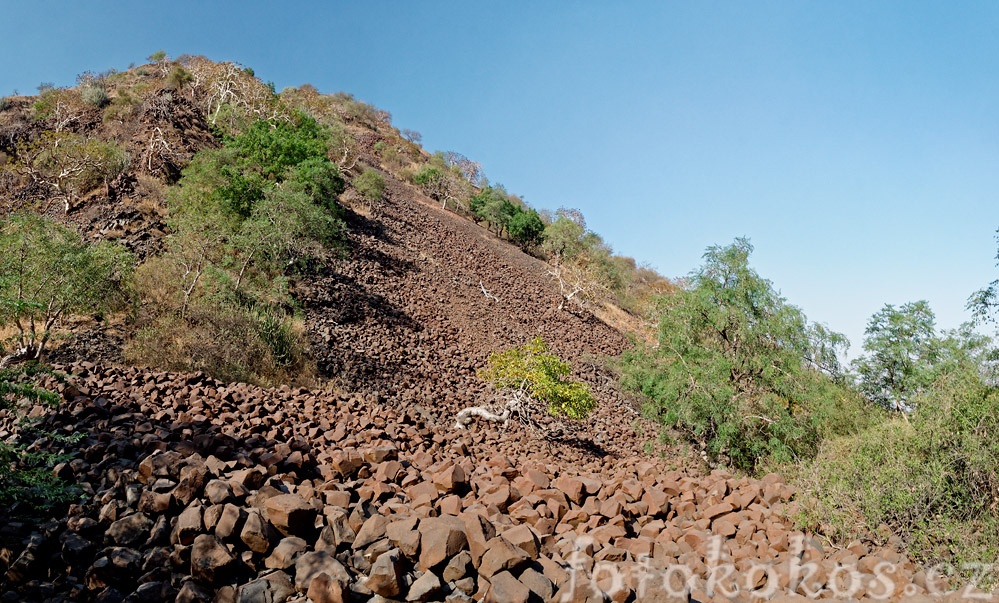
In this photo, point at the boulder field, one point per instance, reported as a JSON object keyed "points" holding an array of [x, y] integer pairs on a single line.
{"points": [[202, 491]]}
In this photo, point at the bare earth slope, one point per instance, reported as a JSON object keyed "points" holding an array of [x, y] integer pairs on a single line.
{"points": [[406, 316]]}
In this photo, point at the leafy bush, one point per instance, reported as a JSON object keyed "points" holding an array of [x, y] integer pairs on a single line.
{"points": [[564, 237], [931, 476], [370, 184], [443, 183], [526, 228], [4, 103], [48, 273], [223, 334], [246, 219], [542, 375], [72, 164], [902, 349], [178, 78], [94, 93], [737, 367], [123, 105], [25, 474]]}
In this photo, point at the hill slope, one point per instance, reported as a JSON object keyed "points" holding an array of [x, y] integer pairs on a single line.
{"points": [[198, 490]]}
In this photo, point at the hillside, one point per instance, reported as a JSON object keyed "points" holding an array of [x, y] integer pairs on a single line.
{"points": [[358, 487]]}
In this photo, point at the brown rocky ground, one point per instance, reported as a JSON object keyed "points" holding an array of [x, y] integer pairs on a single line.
{"points": [[405, 316], [202, 491]]}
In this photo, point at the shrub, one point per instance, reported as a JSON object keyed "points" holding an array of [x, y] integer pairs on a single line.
{"points": [[122, 106], [94, 94], [224, 335], [370, 185], [178, 78], [25, 473], [72, 164], [246, 219], [320, 180], [48, 273], [4, 103], [931, 476], [526, 228], [534, 370]]}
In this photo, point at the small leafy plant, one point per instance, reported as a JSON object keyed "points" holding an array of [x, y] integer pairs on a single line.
{"points": [[527, 378]]}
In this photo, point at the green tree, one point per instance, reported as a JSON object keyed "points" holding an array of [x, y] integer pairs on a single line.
{"points": [[178, 78], [72, 164], [902, 350], [246, 219], [48, 273], [983, 303], [526, 228], [564, 237], [737, 368]]}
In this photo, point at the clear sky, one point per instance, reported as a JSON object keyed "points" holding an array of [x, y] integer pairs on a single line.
{"points": [[854, 142]]}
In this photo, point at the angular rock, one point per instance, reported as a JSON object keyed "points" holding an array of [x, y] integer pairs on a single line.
{"points": [[211, 561], [327, 589], [424, 588], [130, 531], [504, 588], [285, 553], [310, 565], [440, 538], [502, 556], [386, 575], [291, 515]]}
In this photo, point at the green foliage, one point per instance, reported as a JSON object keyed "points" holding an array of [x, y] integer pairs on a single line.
{"points": [[564, 237], [504, 213], [930, 475], [157, 57], [526, 228], [48, 100], [902, 349], [320, 180], [178, 78], [737, 368], [275, 148], [124, 104], [94, 93], [493, 207], [984, 302], [25, 474], [370, 184], [48, 273], [532, 368], [72, 164], [246, 218]]}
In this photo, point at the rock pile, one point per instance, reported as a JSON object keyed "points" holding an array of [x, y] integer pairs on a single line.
{"points": [[200, 491]]}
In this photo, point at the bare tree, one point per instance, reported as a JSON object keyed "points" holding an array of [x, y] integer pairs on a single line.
{"points": [[470, 170]]}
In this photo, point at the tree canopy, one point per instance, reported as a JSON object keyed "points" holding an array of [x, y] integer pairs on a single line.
{"points": [[736, 366]]}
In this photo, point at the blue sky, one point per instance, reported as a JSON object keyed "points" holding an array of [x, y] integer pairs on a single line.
{"points": [[855, 143]]}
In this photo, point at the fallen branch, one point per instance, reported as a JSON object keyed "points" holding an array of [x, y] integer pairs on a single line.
{"points": [[488, 294]]}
